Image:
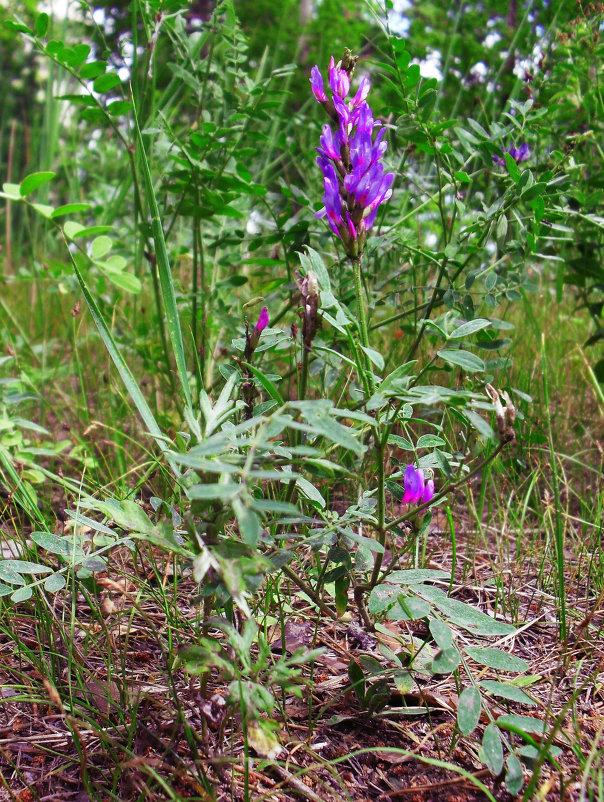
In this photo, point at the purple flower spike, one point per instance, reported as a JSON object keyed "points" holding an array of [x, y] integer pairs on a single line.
{"points": [[262, 321], [316, 82], [415, 484], [350, 159]]}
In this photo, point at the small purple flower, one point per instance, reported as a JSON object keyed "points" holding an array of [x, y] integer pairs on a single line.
{"points": [[262, 321], [418, 490], [354, 179], [252, 338], [316, 82], [338, 79], [415, 484], [519, 155]]}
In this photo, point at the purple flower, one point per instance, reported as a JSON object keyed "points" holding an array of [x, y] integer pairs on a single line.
{"points": [[519, 155], [354, 179], [316, 82], [338, 79], [415, 484], [262, 321], [417, 489]]}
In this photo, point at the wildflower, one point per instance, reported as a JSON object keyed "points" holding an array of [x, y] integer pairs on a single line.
{"points": [[520, 154], [354, 180], [252, 338], [262, 321], [418, 490]]}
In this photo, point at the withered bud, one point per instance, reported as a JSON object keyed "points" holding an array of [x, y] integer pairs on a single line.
{"points": [[504, 415]]}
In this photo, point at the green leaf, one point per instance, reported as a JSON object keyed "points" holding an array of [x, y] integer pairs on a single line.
{"points": [[63, 546], [430, 441], [33, 181], [42, 22], [533, 726], [479, 423], [381, 598], [357, 679], [494, 658], [92, 70], [25, 567], [8, 574], [464, 615], [22, 594], [119, 107], [469, 328], [106, 82], [531, 753], [463, 359], [374, 356], [100, 246], [54, 583], [462, 177], [12, 191], [70, 208], [266, 383], [226, 491], [468, 710], [446, 661], [413, 607], [71, 229], [514, 776], [492, 750], [512, 167], [442, 634], [534, 192], [413, 576], [44, 209], [507, 691], [125, 281], [249, 523]]}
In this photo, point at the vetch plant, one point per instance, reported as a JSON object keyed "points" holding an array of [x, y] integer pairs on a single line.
{"points": [[353, 174]]}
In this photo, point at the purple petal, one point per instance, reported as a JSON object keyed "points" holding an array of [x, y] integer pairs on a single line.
{"points": [[414, 485], [361, 93], [351, 229], [316, 82], [262, 320], [523, 152], [331, 143], [338, 80], [428, 492]]}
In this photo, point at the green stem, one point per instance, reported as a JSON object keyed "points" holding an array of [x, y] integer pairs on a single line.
{"points": [[303, 375], [306, 588], [380, 447], [367, 379]]}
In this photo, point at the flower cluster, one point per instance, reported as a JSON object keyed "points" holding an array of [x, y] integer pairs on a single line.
{"points": [[354, 178], [418, 490], [520, 154]]}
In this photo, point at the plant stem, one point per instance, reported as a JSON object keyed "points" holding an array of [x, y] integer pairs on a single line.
{"points": [[306, 588], [367, 379]]}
